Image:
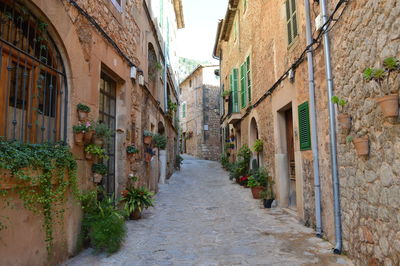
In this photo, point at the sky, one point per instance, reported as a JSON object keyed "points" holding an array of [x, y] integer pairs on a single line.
{"points": [[196, 40]]}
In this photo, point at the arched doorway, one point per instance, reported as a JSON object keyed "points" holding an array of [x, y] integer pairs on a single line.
{"points": [[152, 66], [253, 136]]}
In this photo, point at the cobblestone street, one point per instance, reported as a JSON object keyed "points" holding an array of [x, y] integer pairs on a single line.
{"points": [[201, 218]]}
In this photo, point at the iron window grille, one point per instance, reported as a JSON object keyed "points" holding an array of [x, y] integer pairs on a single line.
{"points": [[33, 85]]}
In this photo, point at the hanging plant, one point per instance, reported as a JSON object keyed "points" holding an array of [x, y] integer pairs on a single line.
{"points": [[258, 145], [147, 137], [390, 102], [83, 111], [160, 141], [92, 150], [79, 132], [42, 174], [98, 170], [344, 119]]}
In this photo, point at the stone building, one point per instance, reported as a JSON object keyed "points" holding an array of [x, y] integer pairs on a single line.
{"points": [[200, 118], [112, 55], [262, 50]]}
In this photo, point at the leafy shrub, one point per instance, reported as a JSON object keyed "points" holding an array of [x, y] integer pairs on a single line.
{"points": [[131, 149], [224, 161], [160, 141], [245, 153], [83, 108], [178, 161], [258, 145], [102, 131], [99, 168], [103, 224]]}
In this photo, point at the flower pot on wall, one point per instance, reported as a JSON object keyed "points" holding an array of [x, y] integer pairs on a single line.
{"points": [[361, 145], [89, 156], [97, 178], [147, 139], [389, 105], [78, 137], [88, 136], [99, 141], [83, 116], [344, 121], [256, 192]]}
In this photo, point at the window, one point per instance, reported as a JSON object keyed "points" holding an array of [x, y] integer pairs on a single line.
{"points": [[243, 87], [244, 5], [32, 79], [117, 4], [183, 110], [304, 127], [190, 83], [291, 20], [152, 66], [234, 89], [248, 78]]}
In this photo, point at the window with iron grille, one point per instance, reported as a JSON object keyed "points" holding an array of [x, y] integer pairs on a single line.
{"points": [[32, 79], [291, 19], [304, 127]]}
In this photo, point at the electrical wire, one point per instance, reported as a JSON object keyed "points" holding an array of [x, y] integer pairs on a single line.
{"points": [[316, 42]]}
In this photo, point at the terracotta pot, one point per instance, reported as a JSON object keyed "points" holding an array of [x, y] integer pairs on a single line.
{"points": [[88, 136], [361, 145], [133, 155], [99, 141], [256, 192], [389, 105], [97, 178], [344, 121], [83, 116], [78, 137], [226, 98], [135, 215], [147, 139]]}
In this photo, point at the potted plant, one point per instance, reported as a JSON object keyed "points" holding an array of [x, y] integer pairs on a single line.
{"points": [[226, 94], [390, 102], [136, 200], [258, 145], [79, 132], [92, 150], [172, 107], [257, 182], [102, 133], [132, 150], [147, 137], [160, 141], [98, 170], [344, 119], [267, 195], [243, 181], [83, 112], [89, 132], [361, 144]]}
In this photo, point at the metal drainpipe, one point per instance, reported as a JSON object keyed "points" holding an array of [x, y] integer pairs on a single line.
{"points": [[313, 116], [165, 78], [335, 179]]}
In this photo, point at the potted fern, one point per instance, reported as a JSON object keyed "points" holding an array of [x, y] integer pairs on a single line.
{"points": [[390, 102], [136, 200], [344, 119], [98, 170], [83, 112]]}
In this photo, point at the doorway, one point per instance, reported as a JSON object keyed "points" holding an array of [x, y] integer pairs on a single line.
{"points": [[291, 159], [107, 114]]}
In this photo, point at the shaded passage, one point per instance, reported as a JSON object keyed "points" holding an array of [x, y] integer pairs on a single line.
{"points": [[201, 218]]}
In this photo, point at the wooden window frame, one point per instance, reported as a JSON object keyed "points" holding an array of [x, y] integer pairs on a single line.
{"points": [[291, 21]]}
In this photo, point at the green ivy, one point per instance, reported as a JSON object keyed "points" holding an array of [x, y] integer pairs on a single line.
{"points": [[43, 173]]}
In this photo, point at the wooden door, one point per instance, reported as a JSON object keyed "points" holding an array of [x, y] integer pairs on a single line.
{"points": [[290, 155]]}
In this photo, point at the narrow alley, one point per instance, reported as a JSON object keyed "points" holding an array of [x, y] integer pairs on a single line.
{"points": [[202, 218]]}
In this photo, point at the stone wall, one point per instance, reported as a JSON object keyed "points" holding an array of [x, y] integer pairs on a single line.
{"points": [[367, 33]]}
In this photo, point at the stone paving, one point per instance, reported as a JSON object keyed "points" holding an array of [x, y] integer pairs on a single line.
{"points": [[202, 218]]}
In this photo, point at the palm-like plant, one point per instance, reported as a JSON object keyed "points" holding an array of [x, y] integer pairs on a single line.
{"points": [[138, 199]]}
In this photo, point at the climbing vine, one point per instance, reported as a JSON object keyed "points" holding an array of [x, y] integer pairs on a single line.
{"points": [[42, 174]]}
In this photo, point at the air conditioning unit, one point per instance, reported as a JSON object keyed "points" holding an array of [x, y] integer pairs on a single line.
{"points": [[319, 22], [133, 72], [141, 80]]}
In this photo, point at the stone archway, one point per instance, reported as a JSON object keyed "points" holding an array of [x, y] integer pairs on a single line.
{"points": [[253, 136]]}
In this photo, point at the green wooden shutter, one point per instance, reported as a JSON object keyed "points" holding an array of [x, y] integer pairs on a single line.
{"points": [[231, 88], [304, 127], [184, 110], [243, 85], [248, 78], [235, 90]]}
